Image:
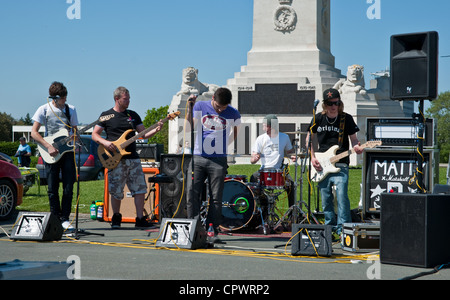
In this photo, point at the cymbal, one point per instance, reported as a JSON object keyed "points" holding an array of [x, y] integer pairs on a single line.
{"points": [[296, 132]]}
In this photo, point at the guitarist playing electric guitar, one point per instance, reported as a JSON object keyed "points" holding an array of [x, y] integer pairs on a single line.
{"points": [[57, 116], [334, 127], [129, 169]]}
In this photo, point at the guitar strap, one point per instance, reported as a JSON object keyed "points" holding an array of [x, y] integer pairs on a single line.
{"points": [[130, 120], [67, 113], [341, 130]]}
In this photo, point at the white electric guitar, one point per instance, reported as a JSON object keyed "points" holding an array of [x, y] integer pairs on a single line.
{"points": [[328, 160], [63, 142]]}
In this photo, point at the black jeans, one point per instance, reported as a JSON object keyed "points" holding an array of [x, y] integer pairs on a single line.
{"points": [[65, 166], [213, 169]]}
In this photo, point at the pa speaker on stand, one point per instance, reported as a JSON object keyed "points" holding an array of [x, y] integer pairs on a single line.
{"points": [[414, 66]]}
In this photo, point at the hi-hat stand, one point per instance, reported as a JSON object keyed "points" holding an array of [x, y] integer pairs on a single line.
{"points": [[77, 233]]}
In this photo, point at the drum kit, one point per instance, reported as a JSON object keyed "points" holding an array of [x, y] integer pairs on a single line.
{"points": [[248, 205]]}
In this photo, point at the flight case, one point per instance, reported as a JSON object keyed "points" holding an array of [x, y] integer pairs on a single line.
{"points": [[361, 237]]}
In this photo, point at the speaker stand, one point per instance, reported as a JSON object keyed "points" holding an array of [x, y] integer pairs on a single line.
{"points": [[79, 232], [421, 121]]}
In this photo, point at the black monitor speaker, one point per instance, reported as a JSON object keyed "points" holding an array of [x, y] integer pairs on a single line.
{"points": [[414, 66]]}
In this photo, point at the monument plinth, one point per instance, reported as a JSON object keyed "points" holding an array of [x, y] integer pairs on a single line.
{"points": [[289, 65]]}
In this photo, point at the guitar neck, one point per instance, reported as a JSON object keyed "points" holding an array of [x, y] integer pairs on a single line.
{"points": [[140, 134], [340, 156], [67, 139]]}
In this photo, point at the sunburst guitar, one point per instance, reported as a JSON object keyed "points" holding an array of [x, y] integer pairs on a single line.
{"points": [[329, 159], [110, 160]]}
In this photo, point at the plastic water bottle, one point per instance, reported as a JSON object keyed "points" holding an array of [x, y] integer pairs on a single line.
{"points": [[100, 211], [93, 209], [210, 236]]}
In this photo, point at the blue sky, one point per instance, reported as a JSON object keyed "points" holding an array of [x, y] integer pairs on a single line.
{"points": [[145, 44]]}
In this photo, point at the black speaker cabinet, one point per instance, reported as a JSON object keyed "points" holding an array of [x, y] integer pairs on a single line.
{"points": [[414, 229], [311, 240], [174, 166], [181, 233], [37, 226], [414, 66]]}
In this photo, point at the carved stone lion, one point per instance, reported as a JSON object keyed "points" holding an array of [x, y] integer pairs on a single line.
{"points": [[354, 83], [191, 84]]}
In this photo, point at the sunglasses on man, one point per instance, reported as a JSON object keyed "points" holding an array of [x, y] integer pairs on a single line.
{"points": [[331, 103]]}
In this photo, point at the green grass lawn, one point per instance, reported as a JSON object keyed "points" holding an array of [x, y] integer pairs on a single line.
{"points": [[36, 200]]}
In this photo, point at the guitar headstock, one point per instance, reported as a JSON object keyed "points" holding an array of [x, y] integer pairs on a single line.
{"points": [[173, 115], [373, 144]]}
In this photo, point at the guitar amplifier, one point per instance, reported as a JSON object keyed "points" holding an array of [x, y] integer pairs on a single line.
{"points": [[311, 239], [400, 132], [127, 207], [150, 152]]}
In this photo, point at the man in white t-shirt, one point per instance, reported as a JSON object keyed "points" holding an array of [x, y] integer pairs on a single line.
{"points": [[270, 149], [56, 115]]}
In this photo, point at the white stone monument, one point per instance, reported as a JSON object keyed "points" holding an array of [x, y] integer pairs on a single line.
{"points": [[289, 65], [190, 84]]}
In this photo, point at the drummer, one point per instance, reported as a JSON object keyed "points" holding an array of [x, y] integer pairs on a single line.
{"points": [[270, 149]]}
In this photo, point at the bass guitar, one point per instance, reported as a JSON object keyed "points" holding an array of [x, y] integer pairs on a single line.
{"points": [[329, 158], [63, 142], [110, 160]]}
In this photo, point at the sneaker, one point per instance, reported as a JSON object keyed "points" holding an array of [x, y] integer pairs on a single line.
{"points": [[335, 237], [143, 222], [116, 220], [67, 226]]}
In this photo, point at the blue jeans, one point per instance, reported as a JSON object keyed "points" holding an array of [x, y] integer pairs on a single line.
{"points": [[340, 181], [213, 169]]}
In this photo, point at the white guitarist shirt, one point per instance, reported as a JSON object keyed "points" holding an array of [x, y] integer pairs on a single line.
{"points": [[272, 149], [52, 118]]}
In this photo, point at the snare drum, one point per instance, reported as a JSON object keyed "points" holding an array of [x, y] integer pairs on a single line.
{"points": [[272, 178], [238, 205]]}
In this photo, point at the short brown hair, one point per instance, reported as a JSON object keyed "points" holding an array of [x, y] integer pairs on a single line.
{"points": [[223, 96], [57, 89]]}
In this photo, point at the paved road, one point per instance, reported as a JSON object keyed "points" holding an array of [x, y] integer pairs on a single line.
{"points": [[130, 253]]}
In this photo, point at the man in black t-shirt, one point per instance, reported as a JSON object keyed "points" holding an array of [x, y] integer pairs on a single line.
{"points": [[129, 171], [334, 127]]}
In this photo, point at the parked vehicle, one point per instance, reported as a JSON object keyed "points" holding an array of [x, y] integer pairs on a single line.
{"points": [[11, 187], [90, 166]]}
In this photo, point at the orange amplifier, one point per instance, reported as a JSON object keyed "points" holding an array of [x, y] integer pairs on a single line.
{"points": [[127, 207]]}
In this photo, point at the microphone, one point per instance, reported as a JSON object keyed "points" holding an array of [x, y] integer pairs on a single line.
{"points": [[316, 102]]}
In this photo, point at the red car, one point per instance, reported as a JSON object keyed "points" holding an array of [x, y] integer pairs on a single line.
{"points": [[11, 187]]}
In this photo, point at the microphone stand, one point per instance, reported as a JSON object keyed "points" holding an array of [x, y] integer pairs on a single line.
{"points": [[310, 165], [78, 232], [191, 120]]}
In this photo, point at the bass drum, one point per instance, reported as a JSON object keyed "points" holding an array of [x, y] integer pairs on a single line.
{"points": [[238, 206]]}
